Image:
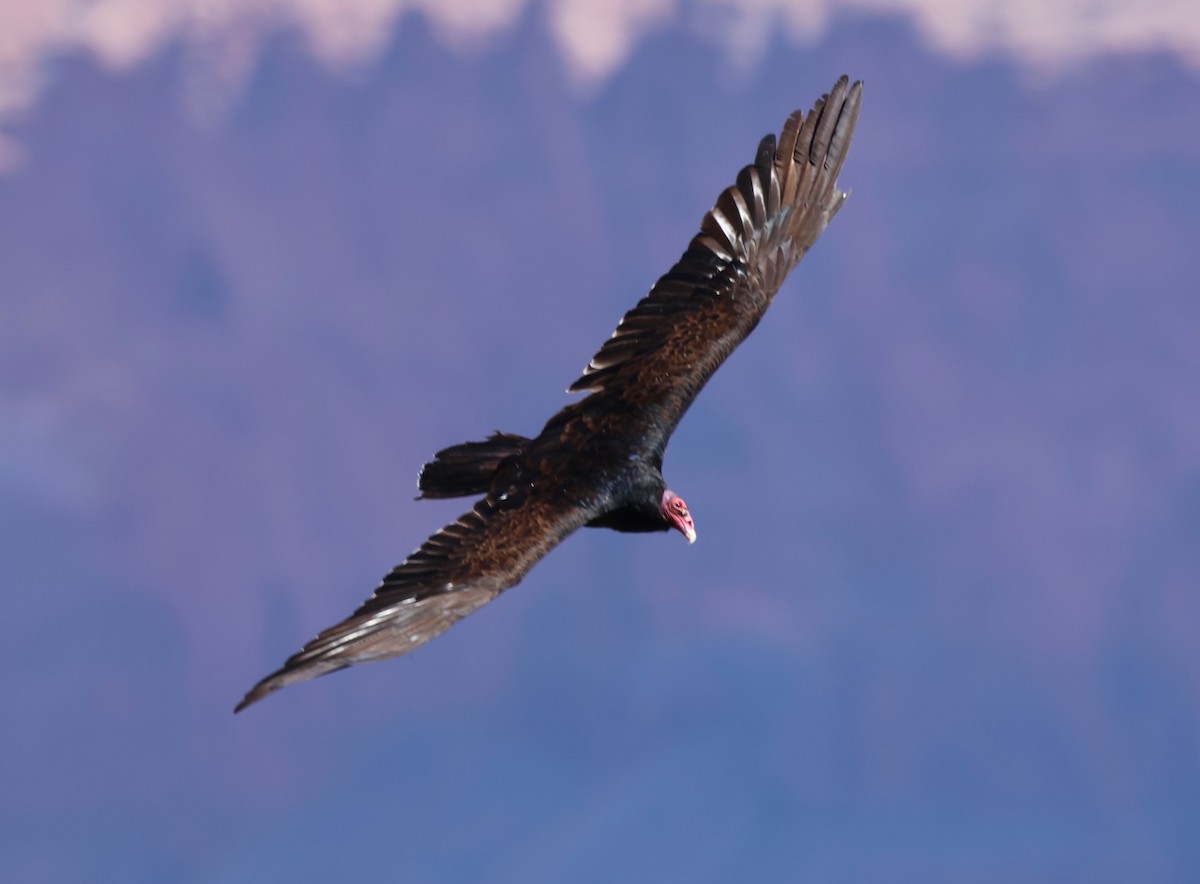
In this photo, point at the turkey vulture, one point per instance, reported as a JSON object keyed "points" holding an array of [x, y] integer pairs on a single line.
{"points": [[597, 462]]}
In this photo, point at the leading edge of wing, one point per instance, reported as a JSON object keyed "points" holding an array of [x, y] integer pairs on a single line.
{"points": [[698, 312]]}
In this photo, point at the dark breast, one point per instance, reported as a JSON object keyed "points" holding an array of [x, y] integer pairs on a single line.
{"points": [[634, 517], [635, 493]]}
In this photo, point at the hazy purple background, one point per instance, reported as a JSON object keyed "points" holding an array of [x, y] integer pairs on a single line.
{"points": [[943, 620]]}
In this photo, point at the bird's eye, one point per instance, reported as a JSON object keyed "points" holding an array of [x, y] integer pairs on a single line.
{"points": [[678, 504]]}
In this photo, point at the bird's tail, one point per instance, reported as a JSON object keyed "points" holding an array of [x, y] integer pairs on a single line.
{"points": [[467, 469]]}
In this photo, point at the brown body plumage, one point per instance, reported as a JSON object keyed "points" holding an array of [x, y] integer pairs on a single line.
{"points": [[598, 461]]}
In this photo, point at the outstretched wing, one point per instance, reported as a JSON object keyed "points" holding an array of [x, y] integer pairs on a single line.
{"points": [[456, 571], [669, 345]]}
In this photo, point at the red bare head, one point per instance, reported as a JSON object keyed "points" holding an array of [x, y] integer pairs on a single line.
{"points": [[675, 511]]}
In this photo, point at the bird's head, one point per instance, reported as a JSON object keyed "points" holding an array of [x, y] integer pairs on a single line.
{"points": [[675, 511]]}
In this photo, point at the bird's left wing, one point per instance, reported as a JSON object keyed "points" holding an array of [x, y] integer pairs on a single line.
{"points": [[456, 571], [667, 347]]}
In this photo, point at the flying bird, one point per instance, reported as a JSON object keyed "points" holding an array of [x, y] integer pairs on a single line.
{"points": [[598, 461]]}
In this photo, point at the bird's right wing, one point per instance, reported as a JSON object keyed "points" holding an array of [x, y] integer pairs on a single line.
{"points": [[456, 571]]}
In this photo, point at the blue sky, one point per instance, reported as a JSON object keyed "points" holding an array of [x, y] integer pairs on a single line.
{"points": [[941, 621]]}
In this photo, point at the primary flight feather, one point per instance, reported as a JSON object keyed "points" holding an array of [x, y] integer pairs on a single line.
{"points": [[598, 461]]}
